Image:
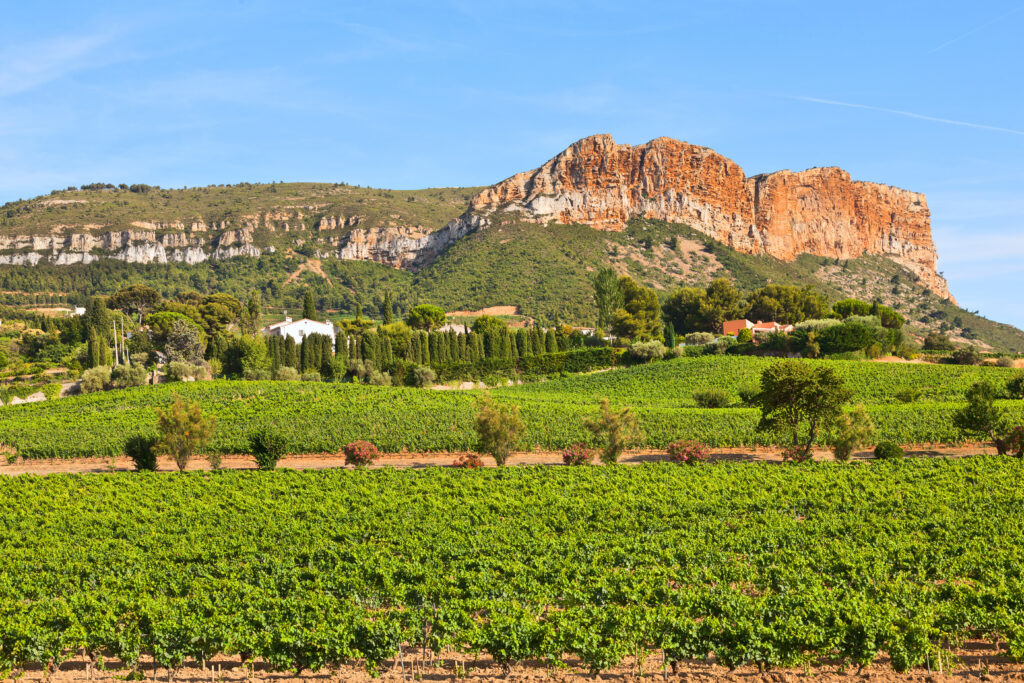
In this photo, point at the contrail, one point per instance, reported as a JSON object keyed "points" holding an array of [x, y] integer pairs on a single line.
{"points": [[976, 29], [968, 124]]}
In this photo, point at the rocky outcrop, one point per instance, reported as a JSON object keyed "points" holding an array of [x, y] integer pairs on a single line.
{"points": [[820, 211], [405, 247]]}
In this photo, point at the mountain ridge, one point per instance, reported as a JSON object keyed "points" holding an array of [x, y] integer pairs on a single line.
{"points": [[819, 211]]}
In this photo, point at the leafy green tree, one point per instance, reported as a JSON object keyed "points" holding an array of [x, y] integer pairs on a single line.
{"points": [[486, 324], [683, 310], [498, 429], [786, 304], [981, 416], [799, 400], [617, 429], [607, 296], [183, 431], [934, 341], [308, 307], [183, 343], [640, 314], [722, 302], [425, 317], [848, 307], [138, 299]]}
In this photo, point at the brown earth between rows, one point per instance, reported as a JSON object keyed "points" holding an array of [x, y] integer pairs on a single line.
{"points": [[316, 461], [978, 661]]}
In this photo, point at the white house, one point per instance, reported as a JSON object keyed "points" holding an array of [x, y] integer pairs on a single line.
{"points": [[299, 329]]}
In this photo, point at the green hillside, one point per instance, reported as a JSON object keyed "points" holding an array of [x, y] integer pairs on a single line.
{"points": [[545, 270]]}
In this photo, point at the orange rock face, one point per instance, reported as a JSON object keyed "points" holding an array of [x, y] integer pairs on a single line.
{"points": [[819, 211]]}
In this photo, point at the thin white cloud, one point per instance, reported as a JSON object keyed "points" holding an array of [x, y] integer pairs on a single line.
{"points": [[977, 28], [29, 65], [910, 114]]}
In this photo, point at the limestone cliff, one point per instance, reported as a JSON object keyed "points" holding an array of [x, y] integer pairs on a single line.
{"points": [[820, 211]]}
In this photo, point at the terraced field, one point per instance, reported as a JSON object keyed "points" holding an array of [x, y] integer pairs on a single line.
{"points": [[319, 417]]}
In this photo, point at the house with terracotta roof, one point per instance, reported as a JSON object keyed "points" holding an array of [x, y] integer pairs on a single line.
{"points": [[733, 327]]}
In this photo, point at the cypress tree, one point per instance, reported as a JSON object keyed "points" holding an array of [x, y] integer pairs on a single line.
{"points": [[425, 347], [291, 356], [460, 353], [389, 312], [325, 357], [308, 309], [94, 349], [670, 335], [550, 343]]}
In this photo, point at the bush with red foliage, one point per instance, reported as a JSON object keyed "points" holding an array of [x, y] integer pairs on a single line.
{"points": [[796, 454], [469, 461], [360, 453], [688, 452], [578, 454]]}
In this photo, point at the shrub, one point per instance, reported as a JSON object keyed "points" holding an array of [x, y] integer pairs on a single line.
{"points": [[286, 373], [1015, 386], [1004, 362], [498, 429], [179, 371], [796, 454], [378, 378], [310, 376], [141, 450], [965, 355], [646, 351], [617, 429], [853, 430], [268, 446], [711, 398], [360, 453], [124, 376], [934, 341], [469, 461], [688, 452], [748, 394], [95, 379], [698, 338], [908, 394], [1012, 442], [423, 376], [577, 454], [184, 430], [887, 450], [744, 335], [981, 416]]}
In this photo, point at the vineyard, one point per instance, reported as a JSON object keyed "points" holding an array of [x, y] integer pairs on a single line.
{"points": [[321, 417], [755, 563]]}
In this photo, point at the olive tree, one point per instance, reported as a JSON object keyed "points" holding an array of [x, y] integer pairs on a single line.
{"points": [[798, 401]]}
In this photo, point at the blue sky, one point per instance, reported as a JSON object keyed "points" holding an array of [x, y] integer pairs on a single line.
{"points": [[922, 95]]}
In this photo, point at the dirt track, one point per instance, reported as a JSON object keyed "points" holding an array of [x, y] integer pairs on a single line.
{"points": [[978, 662], [315, 461]]}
